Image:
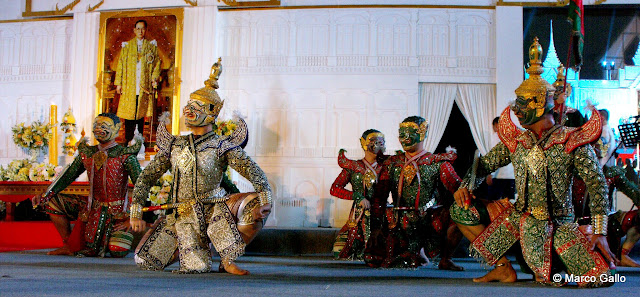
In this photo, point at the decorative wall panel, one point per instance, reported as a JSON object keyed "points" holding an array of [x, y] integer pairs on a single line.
{"points": [[34, 68]]}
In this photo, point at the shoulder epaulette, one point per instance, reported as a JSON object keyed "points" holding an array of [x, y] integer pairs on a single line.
{"points": [[587, 133], [346, 163], [508, 131]]}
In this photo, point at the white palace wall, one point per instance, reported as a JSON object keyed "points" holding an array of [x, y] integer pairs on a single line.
{"points": [[309, 81]]}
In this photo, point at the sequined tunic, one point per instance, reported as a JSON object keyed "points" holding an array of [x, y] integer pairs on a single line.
{"points": [[108, 176], [417, 219], [353, 236], [542, 216], [198, 166]]}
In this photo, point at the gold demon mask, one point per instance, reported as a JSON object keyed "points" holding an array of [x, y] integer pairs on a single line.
{"points": [[533, 96], [106, 127], [412, 131], [204, 104], [373, 141]]}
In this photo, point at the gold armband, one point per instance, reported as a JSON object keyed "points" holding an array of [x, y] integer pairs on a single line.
{"points": [[135, 212], [599, 223], [265, 198]]}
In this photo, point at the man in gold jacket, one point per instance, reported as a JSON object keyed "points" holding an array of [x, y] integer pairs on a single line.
{"points": [[136, 76], [200, 210]]}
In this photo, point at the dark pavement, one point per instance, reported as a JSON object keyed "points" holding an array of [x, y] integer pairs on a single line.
{"points": [[33, 273]]}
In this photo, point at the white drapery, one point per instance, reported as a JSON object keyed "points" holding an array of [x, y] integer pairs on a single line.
{"points": [[476, 102], [436, 102]]}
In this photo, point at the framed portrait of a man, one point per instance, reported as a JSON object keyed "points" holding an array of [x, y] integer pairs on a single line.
{"points": [[138, 61]]}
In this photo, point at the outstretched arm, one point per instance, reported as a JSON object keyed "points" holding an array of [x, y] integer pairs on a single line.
{"points": [[69, 175], [623, 184], [156, 168]]}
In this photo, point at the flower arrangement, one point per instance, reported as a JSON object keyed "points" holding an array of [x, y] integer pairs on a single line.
{"points": [[159, 193], [17, 170], [25, 170], [33, 137], [225, 128], [43, 172]]}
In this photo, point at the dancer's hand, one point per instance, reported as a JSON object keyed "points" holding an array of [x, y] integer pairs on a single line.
{"points": [[137, 225], [119, 89], [122, 226], [39, 199], [600, 241], [35, 200], [463, 197], [489, 180]]}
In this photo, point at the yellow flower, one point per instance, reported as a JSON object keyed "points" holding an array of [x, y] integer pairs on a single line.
{"points": [[155, 189], [24, 170]]}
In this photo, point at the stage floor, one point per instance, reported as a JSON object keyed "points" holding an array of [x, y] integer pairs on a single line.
{"points": [[33, 273]]}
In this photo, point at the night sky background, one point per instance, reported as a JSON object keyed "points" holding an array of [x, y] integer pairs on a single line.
{"points": [[602, 25]]}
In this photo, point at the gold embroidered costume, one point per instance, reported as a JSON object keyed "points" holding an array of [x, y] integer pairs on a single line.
{"points": [[542, 218], [130, 107], [203, 211]]}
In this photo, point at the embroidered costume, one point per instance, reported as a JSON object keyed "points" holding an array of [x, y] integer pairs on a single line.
{"points": [[108, 169], [417, 219], [203, 211], [137, 67], [362, 175], [542, 218]]}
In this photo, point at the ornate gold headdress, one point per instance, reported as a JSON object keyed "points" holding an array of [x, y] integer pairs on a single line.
{"points": [[560, 83], [534, 93], [208, 94]]}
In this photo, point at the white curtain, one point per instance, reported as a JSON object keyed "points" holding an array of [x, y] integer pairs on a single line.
{"points": [[436, 101], [477, 104]]}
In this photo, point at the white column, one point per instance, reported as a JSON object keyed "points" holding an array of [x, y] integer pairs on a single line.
{"points": [[509, 49], [199, 50], [84, 50]]}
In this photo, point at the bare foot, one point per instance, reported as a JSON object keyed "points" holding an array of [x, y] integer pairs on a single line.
{"points": [[626, 261], [234, 269], [64, 250], [447, 264], [503, 274]]}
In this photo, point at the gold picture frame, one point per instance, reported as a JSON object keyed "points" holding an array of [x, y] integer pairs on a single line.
{"points": [[165, 26]]}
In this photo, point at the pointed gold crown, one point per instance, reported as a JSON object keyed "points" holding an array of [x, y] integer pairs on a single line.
{"points": [[535, 90], [560, 83], [208, 94]]}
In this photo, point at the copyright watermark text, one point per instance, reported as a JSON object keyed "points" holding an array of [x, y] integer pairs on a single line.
{"points": [[604, 278]]}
